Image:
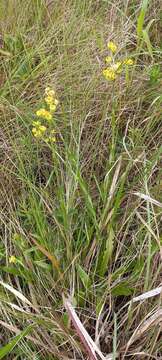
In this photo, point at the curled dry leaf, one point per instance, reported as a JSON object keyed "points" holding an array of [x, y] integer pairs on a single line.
{"points": [[89, 345]]}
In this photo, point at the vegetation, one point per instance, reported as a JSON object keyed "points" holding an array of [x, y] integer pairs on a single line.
{"points": [[80, 179]]}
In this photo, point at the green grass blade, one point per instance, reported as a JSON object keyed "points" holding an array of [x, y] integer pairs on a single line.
{"points": [[5, 350], [148, 42], [84, 277], [141, 17]]}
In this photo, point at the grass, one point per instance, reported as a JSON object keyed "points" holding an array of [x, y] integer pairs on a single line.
{"points": [[80, 216]]}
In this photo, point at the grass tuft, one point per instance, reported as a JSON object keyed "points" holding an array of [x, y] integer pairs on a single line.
{"points": [[80, 220]]}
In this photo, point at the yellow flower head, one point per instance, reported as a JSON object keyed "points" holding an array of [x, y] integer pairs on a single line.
{"points": [[39, 131], [49, 100], [36, 123], [41, 112], [52, 108], [112, 46], [56, 102], [44, 114], [52, 139], [48, 116], [49, 92], [36, 133], [12, 259], [47, 89], [109, 74], [128, 62], [108, 59], [42, 128]]}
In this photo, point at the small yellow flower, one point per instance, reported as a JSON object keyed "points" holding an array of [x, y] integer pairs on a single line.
{"points": [[51, 139], [48, 116], [112, 46], [52, 108], [42, 128], [49, 92], [109, 74], [12, 259], [39, 131], [47, 89], [40, 112], [108, 59], [56, 102], [34, 131], [49, 100], [44, 114], [129, 62], [53, 132], [36, 123]]}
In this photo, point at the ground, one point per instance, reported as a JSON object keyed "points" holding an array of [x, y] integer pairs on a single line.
{"points": [[81, 195]]}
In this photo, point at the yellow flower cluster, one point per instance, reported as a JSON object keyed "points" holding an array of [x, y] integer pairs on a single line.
{"points": [[112, 47], [45, 114], [128, 61], [12, 259], [108, 59], [39, 130], [50, 99], [51, 138], [109, 74], [115, 68]]}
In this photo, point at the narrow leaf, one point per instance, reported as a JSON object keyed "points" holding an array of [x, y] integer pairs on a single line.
{"points": [[141, 17], [86, 339], [148, 42], [5, 350], [51, 257], [18, 294], [148, 294], [84, 277]]}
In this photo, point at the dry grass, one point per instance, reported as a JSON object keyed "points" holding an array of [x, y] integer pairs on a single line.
{"points": [[83, 219]]}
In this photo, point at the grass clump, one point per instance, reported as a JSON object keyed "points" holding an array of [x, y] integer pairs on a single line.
{"points": [[80, 188]]}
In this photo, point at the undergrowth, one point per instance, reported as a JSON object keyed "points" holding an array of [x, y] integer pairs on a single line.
{"points": [[81, 215]]}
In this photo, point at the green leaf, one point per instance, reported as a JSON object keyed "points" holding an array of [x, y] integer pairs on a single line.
{"points": [[155, 74], [84, 277], [10, 346], [141, 17], [118, 273], [23, 70], [138, 266], [12, 270], [148, 42], [122, 289], [99, 304], [13, 43], [107, 253], [65, 319], [26, 274]]}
